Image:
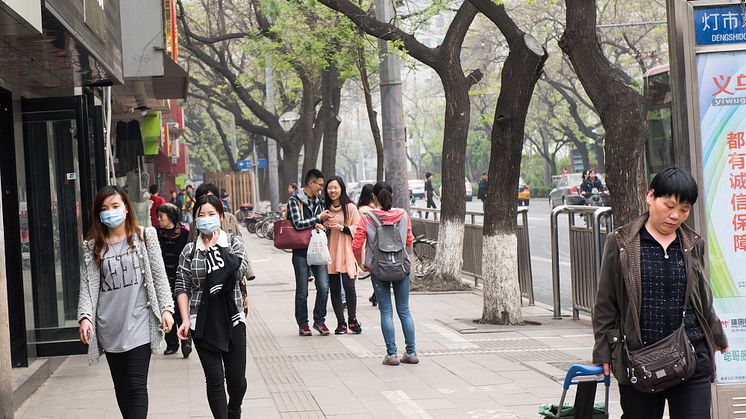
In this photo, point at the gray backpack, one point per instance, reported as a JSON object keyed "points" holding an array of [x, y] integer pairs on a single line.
{"points": [[389, 257]]}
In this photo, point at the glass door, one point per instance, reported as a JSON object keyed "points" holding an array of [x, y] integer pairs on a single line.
{"points": [[55, 142]]}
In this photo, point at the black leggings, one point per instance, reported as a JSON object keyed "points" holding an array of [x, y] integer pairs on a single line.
{"points": [[336, 282], [129, 371], [225, 368]]}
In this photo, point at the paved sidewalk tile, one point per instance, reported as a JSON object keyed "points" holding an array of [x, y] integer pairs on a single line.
{"points": [[466, 370]]}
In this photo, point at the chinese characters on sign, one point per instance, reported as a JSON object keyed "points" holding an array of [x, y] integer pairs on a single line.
{"points": [[719, 25], [736, 159]]}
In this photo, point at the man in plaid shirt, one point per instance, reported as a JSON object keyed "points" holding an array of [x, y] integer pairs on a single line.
{"points": [[306, 210]]}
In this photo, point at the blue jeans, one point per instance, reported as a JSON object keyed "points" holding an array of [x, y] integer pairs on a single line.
{"points": [[382, 290], [300, 265]]}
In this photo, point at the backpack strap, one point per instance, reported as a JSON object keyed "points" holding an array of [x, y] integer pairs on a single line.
{"points": [[373, 217]]}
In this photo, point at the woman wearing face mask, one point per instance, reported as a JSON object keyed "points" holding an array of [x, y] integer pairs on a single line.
{"points": [[343, 267], [125, 301], [210, 303]]}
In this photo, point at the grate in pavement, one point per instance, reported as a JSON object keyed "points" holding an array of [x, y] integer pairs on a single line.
{"points": [[549, 355], [511, 344], [325, 357], [288, 391]]}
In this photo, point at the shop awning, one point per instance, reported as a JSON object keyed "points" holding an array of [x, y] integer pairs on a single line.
{"points": [[173, 83]]}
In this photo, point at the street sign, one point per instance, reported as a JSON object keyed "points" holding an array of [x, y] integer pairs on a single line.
{"points": [[244, 164], [262, 163], [718, 25]]}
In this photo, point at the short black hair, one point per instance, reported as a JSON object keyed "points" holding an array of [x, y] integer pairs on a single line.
{"points": [[204, 188], [188, 187], [428, 174], [153, 189], [171, 212], [311, 175], [677, 183]]}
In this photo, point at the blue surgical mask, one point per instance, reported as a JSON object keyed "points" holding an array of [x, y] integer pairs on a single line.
{"points": [[208, 224], [113, 218]]}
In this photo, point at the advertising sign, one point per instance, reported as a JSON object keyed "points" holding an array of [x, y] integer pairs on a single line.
{"points": [[721, 78]]}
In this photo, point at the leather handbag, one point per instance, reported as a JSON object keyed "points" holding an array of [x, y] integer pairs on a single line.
{"points": [[664, 364], [287, 237]]}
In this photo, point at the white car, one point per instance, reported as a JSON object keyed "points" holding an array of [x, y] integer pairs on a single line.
{"points": [[417, 188]]}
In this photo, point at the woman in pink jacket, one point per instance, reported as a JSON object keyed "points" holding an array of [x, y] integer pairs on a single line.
{"points": [[343, 267], [365, 234]]}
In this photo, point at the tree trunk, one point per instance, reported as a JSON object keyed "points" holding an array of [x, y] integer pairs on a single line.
{"points": [[598, 149], [331, 85], [619, 107], [288, 167], [372, 114], [502, 295], [446, 269]]}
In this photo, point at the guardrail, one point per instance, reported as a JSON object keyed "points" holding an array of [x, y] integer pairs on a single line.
{"points": [[586, 249], [472, 250]]}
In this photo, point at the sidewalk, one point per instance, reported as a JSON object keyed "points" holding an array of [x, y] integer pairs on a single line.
{"points": [[466, 370]]}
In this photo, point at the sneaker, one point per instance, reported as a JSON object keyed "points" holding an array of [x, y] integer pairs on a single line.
{"points": [[410, 358], [170, 350], [355, 327], [321, 327], [341, 328], [304, 330], [311, 278], [391, 360], [186, 349]]}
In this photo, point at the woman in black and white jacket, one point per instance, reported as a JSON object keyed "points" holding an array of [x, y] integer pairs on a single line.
{"points": [[210, 303]]}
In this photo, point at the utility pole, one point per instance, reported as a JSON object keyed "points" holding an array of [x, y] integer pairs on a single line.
{"points": [[274, 192], [392, 112], [6, 379]]}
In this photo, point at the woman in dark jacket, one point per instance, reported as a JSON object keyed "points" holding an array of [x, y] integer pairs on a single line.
{"points": [[211, 307], [172, 237], [657, 254]]}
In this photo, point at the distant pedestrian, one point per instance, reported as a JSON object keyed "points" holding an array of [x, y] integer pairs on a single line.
{"points": [[341, 226], [207, 291], [392, 227], [155, 196], [564, 171], [225, 197], [175, 201], [187, 205], [173, 237], [482, 191], [429, 192], [306, 210], [125, 302], [364, 204], [650, 268]]}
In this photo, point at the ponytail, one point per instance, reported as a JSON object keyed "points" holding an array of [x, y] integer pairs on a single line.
{"points": [[385, 195]]}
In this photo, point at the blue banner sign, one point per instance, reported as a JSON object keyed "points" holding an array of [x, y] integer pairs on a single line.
{"points": [[719, 25], [243, 164]]}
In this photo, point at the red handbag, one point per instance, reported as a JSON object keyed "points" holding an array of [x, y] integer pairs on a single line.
{"points": [[288, 238]]}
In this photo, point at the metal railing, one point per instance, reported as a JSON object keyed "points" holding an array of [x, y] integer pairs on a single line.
{"points": [[472, 250], [586, 250]]}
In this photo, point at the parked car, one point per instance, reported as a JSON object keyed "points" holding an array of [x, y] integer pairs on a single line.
{"points": [[524, 194], [417, 188], [567, 191]]}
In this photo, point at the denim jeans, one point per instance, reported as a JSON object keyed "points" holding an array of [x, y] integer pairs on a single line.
{"points": [[382, 290], [301, 289]]}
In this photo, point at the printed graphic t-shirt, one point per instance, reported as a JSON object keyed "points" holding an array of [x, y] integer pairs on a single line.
{"points": [[122, 314]]}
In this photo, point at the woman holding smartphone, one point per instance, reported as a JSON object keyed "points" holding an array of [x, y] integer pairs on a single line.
{"points": [[125, 301]]}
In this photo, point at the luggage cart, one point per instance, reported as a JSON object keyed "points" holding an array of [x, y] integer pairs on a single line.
{"points": [[593, 410]]}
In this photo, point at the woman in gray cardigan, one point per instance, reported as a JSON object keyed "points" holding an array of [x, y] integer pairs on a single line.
{"points": [[125, 302]]}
